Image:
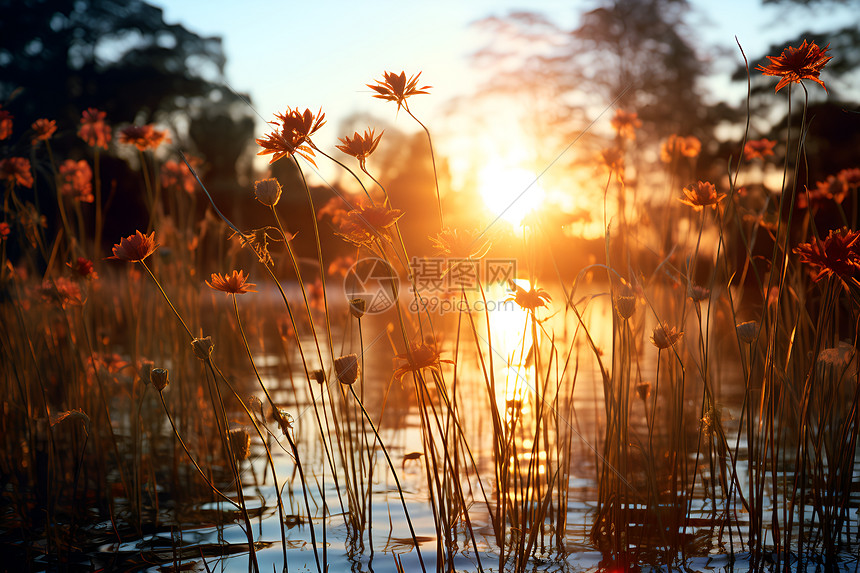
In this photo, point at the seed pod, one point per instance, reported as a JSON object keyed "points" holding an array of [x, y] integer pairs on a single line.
{"points": [[347, 369], [625, 302], [202, 347], [357, 307], [747, 331], [240, 441], [268, 191], [318, 376], [158, 376]]}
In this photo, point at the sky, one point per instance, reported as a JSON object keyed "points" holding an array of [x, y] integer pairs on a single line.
{"points": [[320, 54]]}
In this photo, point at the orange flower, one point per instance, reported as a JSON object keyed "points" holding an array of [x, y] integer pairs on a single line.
{"points": [[758, 149], [663, 337], [5, 123], [83, 268], [396, 88], [93, 128], [528, 299], [43, 130], [359, 146], [341, 265], [835, 256], [418, 357], [701, 195], [676, 146], [364, 224], [143, 136], [175, 175], [236, 283], [850, 177], [16, 170], [613, 159], [625, 124], [76, 179], [796, 64], [292, 134], [135, 248]]}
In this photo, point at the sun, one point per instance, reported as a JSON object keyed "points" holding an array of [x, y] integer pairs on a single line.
{"points": [[510, 192]]}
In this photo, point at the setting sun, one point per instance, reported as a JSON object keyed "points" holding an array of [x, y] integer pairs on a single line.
{"points": [[509, 192]]}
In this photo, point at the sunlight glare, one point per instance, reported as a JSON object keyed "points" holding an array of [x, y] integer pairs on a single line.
{"points": [[510, 192]]}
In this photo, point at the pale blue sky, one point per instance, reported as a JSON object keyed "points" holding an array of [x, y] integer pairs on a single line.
{"points": [[320, 54]]}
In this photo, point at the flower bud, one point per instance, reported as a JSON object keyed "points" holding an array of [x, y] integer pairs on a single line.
{"points": [[318, 376], [240, 442], [357, 307], [268, 191], [202, 347], [747, 331], [158, 377]]}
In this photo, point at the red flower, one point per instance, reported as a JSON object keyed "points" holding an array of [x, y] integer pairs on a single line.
{"points": [[796, 64], [364, 224], [5, 229], [76, 179], [758, 149], [135, 248], [292, 134], [43, 130], [835, 256], [93, 128], [397, 88], [143, 136], [17, 170], [83, 268], [850, 177]]}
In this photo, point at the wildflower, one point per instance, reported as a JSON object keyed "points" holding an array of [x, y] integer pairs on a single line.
{"points": [[613, 159], [360, 146], [76, 179], [625, 124], [643, 390], [135, 247], [175, 175], [663, 337], [94, 131], [625, 302], [5, 229], [699, 293], [758, 149], [461, 244], [676, 146], [831, 189], [143, 136], [840, 357], [235, 283], [240, 443], [158, 377], [364, 224], [17, 171], [795, 64], [333, 208], [347, 369], [43, 129], [83, 268], [701, 195], [77, 414], [397, 88], [5, 123], [850, 178], [528, 299], [202, 347], [835, 256], [292, 135], [746, 331], [62, 291], [418, 357], [268, 191]]}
